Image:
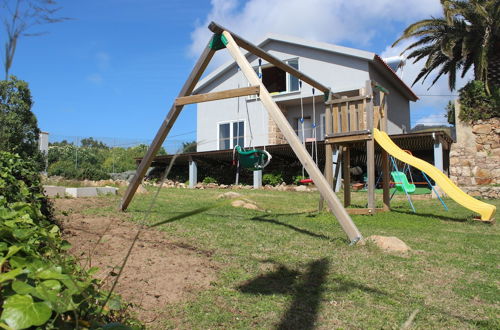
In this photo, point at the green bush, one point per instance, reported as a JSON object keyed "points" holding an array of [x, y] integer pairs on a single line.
{"points": [[40, 285], [476, 104], [273, 179], [68, 170], [297, 178], [209, 179]]}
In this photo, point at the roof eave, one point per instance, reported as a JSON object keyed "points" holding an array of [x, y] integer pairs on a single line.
{"points": [[404, 87]]}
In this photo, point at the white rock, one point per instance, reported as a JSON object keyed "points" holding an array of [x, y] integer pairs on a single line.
{"points": [[389, 244]]}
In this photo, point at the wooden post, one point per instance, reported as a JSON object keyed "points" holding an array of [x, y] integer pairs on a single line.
{"points": [[214, 96], [165, 127], [370, 149], [275, 113], [328, 152], [386, 177], [346, 164]]}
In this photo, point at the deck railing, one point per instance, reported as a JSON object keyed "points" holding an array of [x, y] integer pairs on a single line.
{"points": [[359, 113]]}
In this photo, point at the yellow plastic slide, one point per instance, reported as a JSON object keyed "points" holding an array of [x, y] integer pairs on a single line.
{"points": [[487, 211]]}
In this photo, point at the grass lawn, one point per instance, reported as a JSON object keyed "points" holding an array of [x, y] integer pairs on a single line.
{"points": [[292, 267]]}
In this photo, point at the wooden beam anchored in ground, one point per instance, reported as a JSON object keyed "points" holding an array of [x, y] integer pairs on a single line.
{"points": [[279, 118], [165, 127], [365, 211], [227, 94]]}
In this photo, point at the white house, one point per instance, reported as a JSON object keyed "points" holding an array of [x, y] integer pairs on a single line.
{"points": [[223, 124]]}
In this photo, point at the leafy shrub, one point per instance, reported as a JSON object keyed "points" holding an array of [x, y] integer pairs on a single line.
{"points": [[297, 178], [272, 178], [39, 284], [209, 179], [476, 104]]}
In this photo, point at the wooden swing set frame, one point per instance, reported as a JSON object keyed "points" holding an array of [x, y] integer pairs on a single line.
{"points": [[232, 42]]}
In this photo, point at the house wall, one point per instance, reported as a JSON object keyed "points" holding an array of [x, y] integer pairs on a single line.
{"points": [[209, 114], [399, 106], [340, 72]]}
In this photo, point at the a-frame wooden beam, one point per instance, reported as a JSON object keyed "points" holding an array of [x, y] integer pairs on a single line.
{"points": [[275, 113], [227, 94], [256, 50], [167, 124]]}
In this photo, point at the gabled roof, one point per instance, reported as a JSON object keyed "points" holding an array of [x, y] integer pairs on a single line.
{"points": [[373, 58]]}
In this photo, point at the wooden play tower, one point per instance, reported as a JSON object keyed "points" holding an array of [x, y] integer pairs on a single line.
{"points": [[349, 120]]}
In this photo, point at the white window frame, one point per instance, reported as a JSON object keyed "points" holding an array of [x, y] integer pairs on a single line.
{"points": [[231, 132], [287, 78]]}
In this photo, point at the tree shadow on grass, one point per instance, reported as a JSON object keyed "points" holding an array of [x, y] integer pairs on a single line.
{"points": [[306, 288], [263, 218]]}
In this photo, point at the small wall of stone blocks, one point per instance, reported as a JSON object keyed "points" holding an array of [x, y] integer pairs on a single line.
{"points": [[475, 165]]}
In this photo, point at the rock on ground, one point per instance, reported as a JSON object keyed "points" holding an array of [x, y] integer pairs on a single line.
{"points": [[245, 204], [141, 190], [229, 195], [389, 244]]}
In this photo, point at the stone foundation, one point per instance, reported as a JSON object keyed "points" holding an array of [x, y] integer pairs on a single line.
{"points": [[275, 135], [476, 163]]}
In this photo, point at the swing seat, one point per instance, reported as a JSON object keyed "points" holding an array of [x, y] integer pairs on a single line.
{"points": [[254, 159], [306, 181], [401, 182]]}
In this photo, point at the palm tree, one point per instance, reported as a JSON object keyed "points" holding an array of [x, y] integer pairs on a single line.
{"points": [[468, 35]]}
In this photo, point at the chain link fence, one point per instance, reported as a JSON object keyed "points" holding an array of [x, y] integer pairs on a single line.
{"points": [[98, 158]]}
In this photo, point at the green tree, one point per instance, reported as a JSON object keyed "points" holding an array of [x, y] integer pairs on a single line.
{"points": [[91, 143], [18, 124], [189, 146], [467, 35]]}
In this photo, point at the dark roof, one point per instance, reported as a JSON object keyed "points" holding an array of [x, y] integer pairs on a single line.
{"points": [[410, 141]]}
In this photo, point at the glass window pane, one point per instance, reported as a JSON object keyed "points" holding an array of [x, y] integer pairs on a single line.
{"points": [[293, 82], [224, 136], [239, 134]]}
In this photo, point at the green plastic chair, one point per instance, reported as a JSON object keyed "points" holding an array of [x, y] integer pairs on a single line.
{"points": [[402, 183], [254, 160]]}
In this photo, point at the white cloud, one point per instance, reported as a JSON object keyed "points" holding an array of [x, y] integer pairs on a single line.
{"points": [[103, 60], [355, 21], [433, 119], [95, 78], [362, 23]]}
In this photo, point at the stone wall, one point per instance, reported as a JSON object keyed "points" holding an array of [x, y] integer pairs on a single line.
{"points": [[275, 135], [476, 162]]}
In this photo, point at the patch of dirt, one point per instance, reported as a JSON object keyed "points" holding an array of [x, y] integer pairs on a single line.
{"points": [[159, 271]]}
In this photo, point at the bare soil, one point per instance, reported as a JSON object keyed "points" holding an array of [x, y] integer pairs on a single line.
{"points": [[159, 271]]}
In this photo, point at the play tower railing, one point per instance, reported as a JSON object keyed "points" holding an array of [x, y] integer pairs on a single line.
{"points": [[351, 119]]}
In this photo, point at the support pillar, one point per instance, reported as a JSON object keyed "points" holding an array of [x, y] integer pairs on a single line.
{"points": [[257, 179], [337, 170], [346, 165], [386, 177], [370, 167], [193, 174], [438, 154]]}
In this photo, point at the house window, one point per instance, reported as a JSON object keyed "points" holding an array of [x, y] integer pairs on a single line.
{"points": [[278, 81], [231, 134]]}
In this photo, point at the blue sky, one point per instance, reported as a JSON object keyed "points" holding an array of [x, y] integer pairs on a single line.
{"points": [[116, 67]]}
